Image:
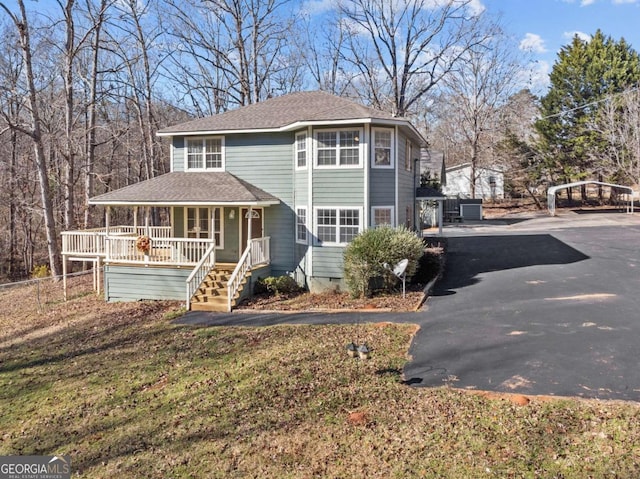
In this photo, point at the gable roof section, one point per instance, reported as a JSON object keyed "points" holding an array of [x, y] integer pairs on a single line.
{"points": [[181, 188], [287, 112]]}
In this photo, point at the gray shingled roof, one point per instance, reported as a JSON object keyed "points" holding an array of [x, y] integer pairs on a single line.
{"points": [[188, 188], [282, 111]]}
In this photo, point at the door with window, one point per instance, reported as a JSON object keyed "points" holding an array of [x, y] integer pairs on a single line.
{"points": [[256, 226], [198, 223]]}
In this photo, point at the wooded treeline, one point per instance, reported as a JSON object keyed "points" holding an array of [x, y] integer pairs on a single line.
{"points": [[86, 84]]}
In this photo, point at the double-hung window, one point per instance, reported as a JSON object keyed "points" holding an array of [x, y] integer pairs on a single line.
{"points": [[338, 148], [301, 150], [408, 156], [337, 225], [301, 225], [383, 152], [205, 153], [382, 215]]}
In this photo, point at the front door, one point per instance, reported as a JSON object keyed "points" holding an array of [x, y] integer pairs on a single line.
{"points": [[256, 226]]}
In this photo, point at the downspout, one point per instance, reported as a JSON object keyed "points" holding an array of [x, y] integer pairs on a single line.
{"points": [[366, 160], [310, 215], [416, 221], [397, 174]]}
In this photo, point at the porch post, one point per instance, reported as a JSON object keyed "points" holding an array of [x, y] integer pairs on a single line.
{"points": [[64, 276], [107, 219], [147, 210], [135, 220], [98, 266], [249, 221], [440, 217], [249, 234]]}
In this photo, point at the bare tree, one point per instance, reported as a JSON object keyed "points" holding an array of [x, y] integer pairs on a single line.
{"points": [[323, 56], [619, 123], [34, 131], [233, 52], [402, 49], [484, 78]]}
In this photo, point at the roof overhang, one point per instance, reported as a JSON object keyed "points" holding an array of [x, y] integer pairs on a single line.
{"points": [[188, 189], [161, 204], [304, 124]]}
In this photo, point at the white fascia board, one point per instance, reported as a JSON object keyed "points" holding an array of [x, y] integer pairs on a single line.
{"points": [[185, 203], [299, 125]]}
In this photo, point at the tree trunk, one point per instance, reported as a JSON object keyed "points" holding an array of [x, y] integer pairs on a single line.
{"points": [[22, 26]]}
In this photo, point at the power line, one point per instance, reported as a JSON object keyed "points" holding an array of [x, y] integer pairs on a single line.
{"points": [[586, 105]]}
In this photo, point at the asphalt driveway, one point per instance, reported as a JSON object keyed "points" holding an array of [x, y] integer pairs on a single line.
{"points": [[543, 306], [532, 305]]}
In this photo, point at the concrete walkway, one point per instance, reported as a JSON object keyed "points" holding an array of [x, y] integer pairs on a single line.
{"points": [[526, 305]]}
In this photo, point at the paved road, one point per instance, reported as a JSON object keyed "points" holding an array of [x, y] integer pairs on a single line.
{"points": [[542, 306], [530, 305]]}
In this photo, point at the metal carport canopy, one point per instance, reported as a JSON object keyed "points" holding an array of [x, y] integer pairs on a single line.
{"points": [[551, 192]]}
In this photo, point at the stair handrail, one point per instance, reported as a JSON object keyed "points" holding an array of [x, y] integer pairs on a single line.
{"points": [[200, 272], [236, 278]]}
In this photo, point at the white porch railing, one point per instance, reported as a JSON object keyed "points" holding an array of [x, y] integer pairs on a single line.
{"points": [[84, 243], [162, 251], [92, 242], [258, 252], [200, 272]]}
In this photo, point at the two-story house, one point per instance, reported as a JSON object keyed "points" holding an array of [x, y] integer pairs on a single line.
{"points": [[277, 187]]}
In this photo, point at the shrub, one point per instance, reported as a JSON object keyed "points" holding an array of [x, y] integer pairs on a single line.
{"points": [[277, 285], [40, 271], [373, 253]]}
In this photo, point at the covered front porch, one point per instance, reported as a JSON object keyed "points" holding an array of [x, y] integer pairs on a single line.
{"points": [[220, 240]]}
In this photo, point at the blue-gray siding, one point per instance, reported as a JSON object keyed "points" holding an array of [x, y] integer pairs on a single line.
{"points": [[266, 161], [130, 283]]}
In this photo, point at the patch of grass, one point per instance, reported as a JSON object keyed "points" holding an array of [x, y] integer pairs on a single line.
{"points": [[127, 394]]}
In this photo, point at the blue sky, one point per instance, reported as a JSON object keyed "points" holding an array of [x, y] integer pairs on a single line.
{"points": [[542, 27]]}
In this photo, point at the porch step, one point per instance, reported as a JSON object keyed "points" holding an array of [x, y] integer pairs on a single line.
{"points": [[213, 295]]}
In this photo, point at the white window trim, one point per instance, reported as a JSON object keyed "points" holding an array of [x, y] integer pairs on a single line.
{"points": [[392, 161], [306, 149], [408, 161], [376, 208], [337, 165], [202, 140], [306, 225], [338, 209]]}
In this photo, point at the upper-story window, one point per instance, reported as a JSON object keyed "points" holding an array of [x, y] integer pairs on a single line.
{"points": [[408, 156], [301, 150], [383, 154], [205, 153], [338, 148]]}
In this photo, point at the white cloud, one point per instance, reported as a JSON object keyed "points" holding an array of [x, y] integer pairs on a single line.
{"points": [[585, 37], [586, 3], [318, 7], [536, 77], [621, 2], [475, 7], [532, 43]]}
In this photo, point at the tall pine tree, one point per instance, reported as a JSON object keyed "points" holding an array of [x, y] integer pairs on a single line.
{"points": [[585, 73]]}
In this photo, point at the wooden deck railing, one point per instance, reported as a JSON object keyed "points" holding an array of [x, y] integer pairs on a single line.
{"points": [[163, 251], [200, 272], [119, 246], [258, 252]]}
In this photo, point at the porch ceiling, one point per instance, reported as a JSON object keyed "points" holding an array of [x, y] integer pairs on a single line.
{"points": [[193, 188]]}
